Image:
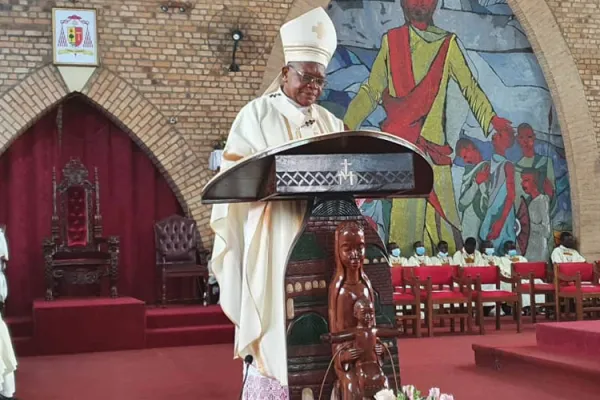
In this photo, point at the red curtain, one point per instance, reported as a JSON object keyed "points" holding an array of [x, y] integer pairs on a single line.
{"points": [[133, 195]]}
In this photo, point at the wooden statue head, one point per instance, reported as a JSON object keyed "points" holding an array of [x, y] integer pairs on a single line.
{"points": [[364, 312], [349, 274]]}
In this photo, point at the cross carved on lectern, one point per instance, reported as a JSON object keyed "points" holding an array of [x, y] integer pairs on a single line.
{"points": [[319, 29], [344, 174]]}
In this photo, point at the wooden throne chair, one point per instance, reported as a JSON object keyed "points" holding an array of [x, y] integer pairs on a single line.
{"points": [[76, 253], [179, 254]]}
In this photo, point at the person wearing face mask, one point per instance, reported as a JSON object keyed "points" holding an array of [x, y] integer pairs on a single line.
{"points": [[510, 257], [442, 257], [468, 256], [420, 257], [488, 253], [395, 260], [566, 252]]}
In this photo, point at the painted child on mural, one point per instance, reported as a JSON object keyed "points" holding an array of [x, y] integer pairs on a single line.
{"points": [[538, 206], [499, 223], [473, 200], [410, 76]]}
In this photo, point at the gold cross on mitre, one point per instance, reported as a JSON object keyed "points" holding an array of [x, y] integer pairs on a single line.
{"points": [[319, 29]]}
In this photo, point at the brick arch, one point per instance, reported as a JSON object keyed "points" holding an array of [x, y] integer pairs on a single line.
{"points": [[569, 98], [124, 105]]}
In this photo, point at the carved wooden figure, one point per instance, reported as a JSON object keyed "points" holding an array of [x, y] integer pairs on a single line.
{"points": [[363, 353], [349, 291]]}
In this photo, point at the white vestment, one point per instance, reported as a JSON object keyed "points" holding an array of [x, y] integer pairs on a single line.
{"points": [[4, 254], [506, 269], [562, 254], [442, 260], [397, 261], [417, 261], [8, 362], [463, 259], [253, 240]]}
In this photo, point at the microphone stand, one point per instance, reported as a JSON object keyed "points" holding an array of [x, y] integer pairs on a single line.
{"points": [[247, 361]]}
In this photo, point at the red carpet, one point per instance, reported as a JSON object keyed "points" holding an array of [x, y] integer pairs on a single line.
{"points": [[575, 338], [88, 324], [562, 353], [71, 326], [209, 373]]}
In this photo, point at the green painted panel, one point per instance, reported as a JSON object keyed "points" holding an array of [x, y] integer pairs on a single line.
{"points": [[307, 329], [307, 248]]}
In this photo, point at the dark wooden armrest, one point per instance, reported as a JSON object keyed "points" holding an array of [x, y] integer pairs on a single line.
{"points": [[568, 278], [514, 279]]}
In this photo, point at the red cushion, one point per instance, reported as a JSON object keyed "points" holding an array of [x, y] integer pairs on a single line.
{"points": [[547, 287], [404, 297], [538, 268], [586, 270], [584, 289], [445, 295], [488, 274], [440, 275]]}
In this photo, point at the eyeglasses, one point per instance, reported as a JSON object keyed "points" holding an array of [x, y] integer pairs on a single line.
{"points": [[308, 79]]}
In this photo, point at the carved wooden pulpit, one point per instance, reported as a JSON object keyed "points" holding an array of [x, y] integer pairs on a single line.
{"points": [[330, 171]]}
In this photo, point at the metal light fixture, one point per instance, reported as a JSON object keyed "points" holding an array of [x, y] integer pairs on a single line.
{"points": [[236, 35], [164, 8]]}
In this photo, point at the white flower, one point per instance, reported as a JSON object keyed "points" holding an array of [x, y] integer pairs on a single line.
{"points": [[385, 394], [434, 394], [446, 397], [409, 391]]}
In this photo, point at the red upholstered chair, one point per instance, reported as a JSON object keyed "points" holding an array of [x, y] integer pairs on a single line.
{"points": [[474, 277], [76, 251], [407, 295], [179, 253], [530, 272], [577, 281], [438, 288]]}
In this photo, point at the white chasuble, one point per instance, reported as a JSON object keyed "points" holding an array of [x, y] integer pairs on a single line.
{"points": [[563, 254], [8, 362], [3, 261], [253, 240]]}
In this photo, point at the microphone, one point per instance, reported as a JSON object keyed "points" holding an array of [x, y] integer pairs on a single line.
{"points": [[247, 361]]}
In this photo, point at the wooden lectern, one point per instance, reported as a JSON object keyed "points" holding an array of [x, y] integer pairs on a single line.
{"points": [[330, 171]]}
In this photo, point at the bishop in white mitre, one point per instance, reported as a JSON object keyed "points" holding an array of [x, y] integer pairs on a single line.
{"points": [[253, 240], [566, 253]]}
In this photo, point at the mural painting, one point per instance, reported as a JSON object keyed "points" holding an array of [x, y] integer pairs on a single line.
{"points": [[457, 78]]}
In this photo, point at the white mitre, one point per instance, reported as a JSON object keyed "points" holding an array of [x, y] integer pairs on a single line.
{"points": [[309, 38]]}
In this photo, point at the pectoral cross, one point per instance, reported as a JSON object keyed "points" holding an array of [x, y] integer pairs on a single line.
{"points": [[345, 174], [319, 29]]}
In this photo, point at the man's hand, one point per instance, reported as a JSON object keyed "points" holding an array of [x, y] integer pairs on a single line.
{"points": [[496, 229], [483, 175], [351, 355], [379, 349]]}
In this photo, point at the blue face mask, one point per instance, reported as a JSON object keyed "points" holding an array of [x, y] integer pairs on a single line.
{"points": [[420, 251], [396, 252], [443, 255], [489, 251], [512, 253]]}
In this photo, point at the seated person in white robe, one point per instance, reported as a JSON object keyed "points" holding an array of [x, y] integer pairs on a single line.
{"points": [[394, 254], [468, 256], [253, 240], [420, 257], [511, 256], [488, 253], [3, 263], [8, 364], [566, 253], [442, 257]]}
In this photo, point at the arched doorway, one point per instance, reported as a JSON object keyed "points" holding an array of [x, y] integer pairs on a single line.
{"points": [[133, 195]]}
